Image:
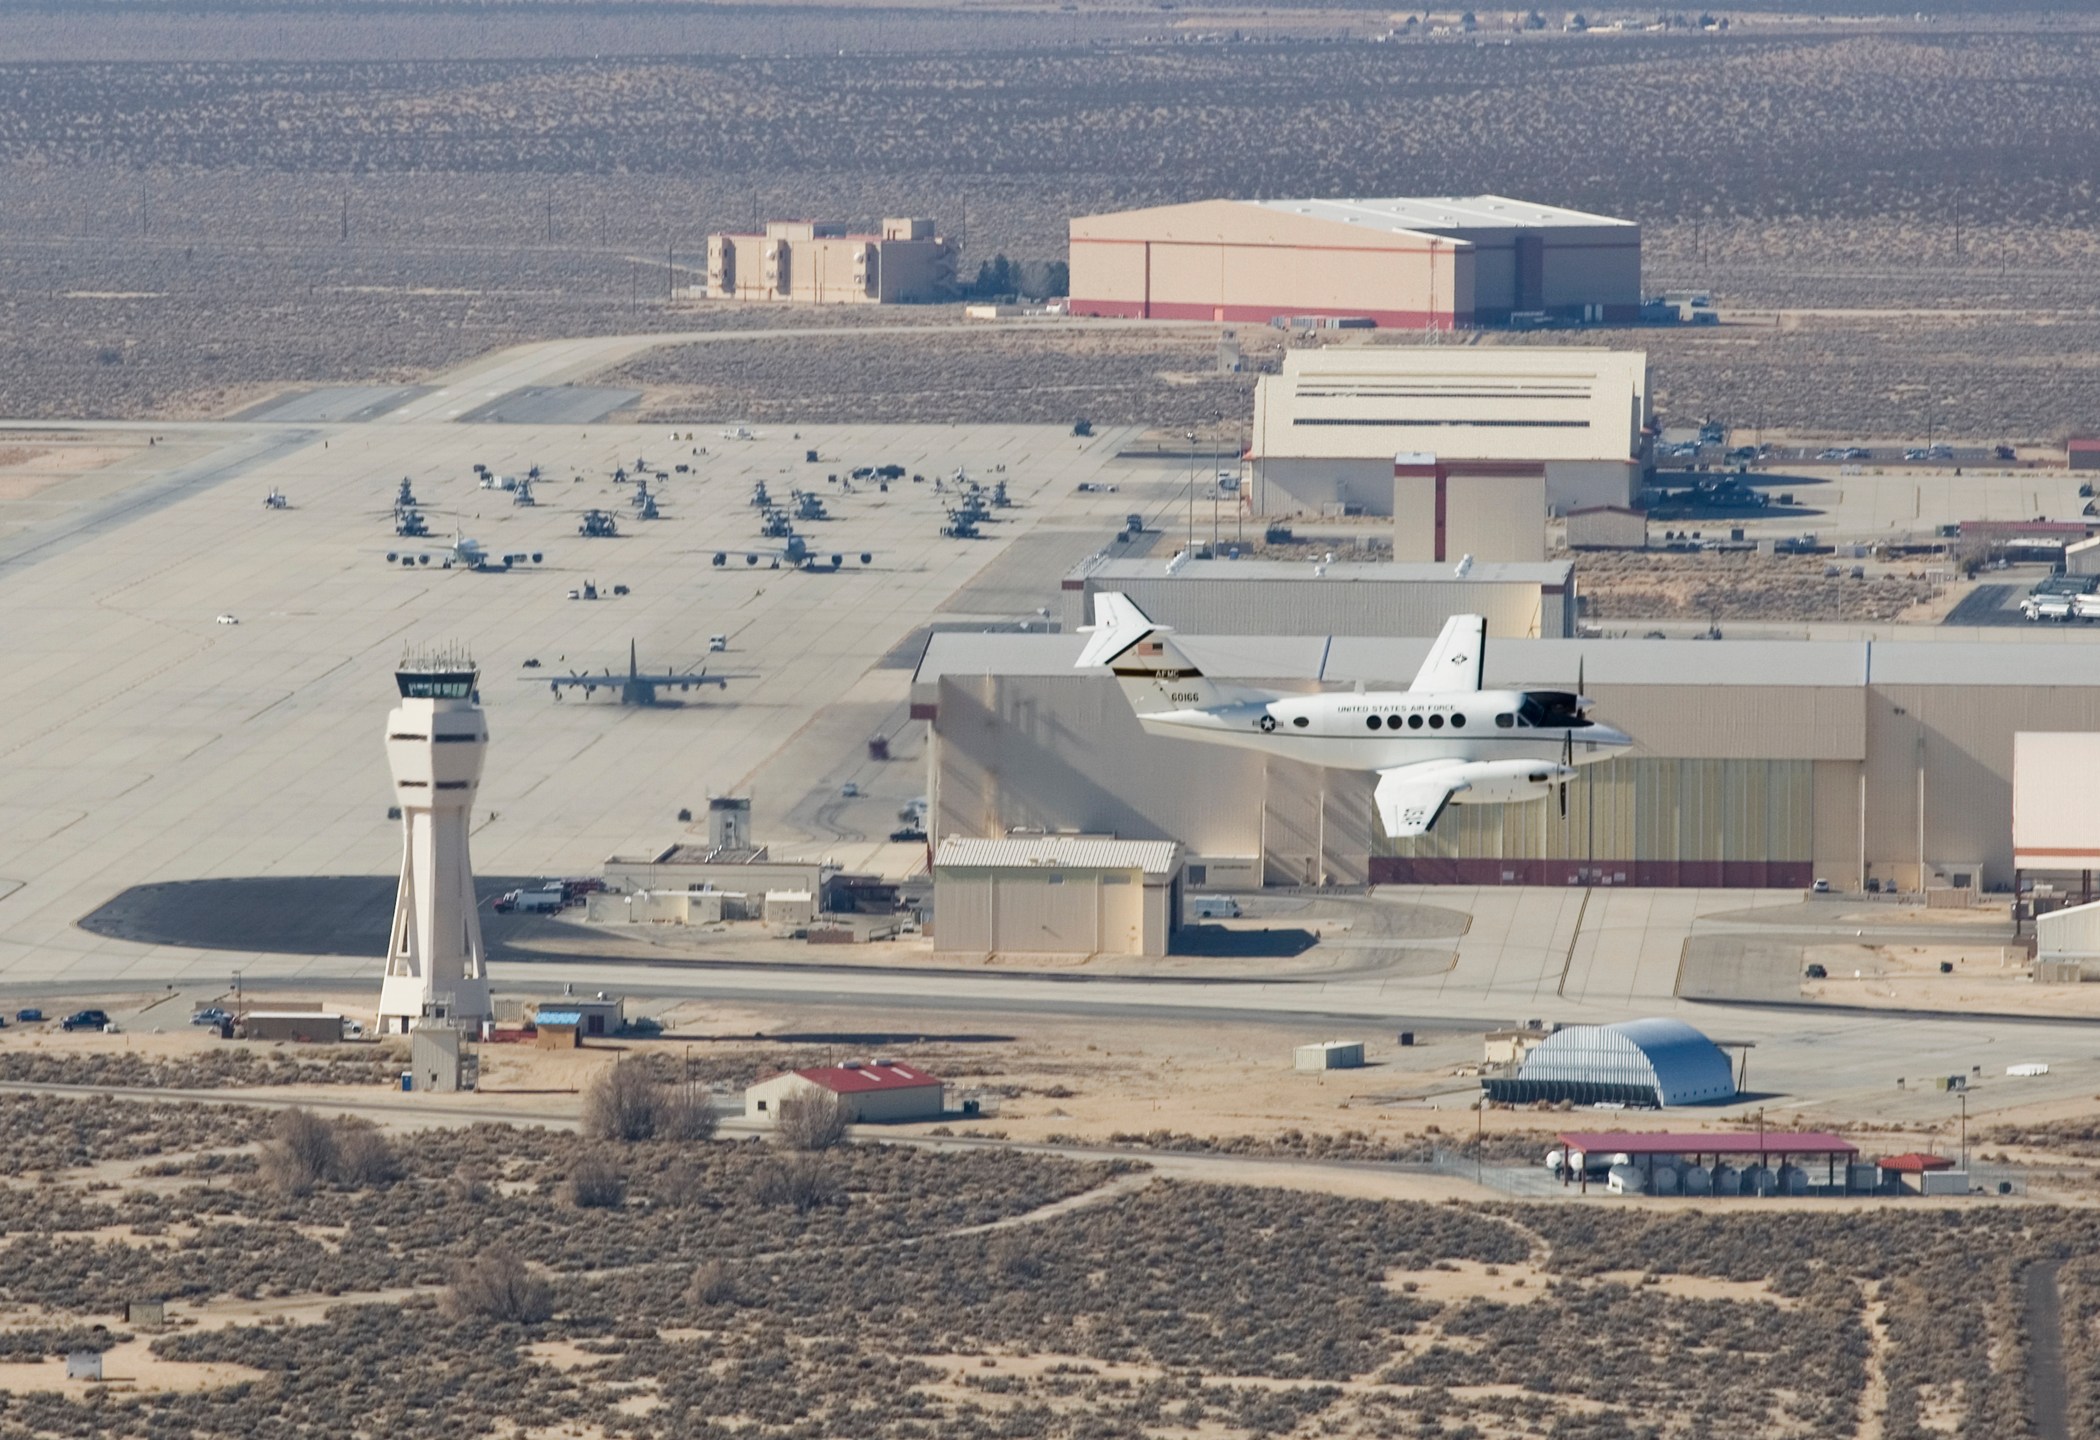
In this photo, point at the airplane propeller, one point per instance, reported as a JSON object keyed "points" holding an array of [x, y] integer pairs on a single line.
{"points": [[1567, 745]]}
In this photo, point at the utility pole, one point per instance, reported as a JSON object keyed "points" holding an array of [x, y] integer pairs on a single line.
{"points": [[1964, 1131]]}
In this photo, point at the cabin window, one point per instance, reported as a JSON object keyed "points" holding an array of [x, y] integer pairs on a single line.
{"points": [[1372, 721], [1504, 722], [1436, 722], [1300, 721], [1414, 722], [1458, 722]]}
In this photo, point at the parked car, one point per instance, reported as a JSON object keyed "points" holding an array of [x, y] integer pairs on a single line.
{"points": [[1821, 887], [28, 1017], [211, 1015], [1817, 972], [850, 790], [85, 1020]]}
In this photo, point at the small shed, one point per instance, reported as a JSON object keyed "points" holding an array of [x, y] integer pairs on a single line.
{"points": [[558, 1029], [146, 1314], [1913, 1172], [1331, 1055], [790, 910], [866, 1089], [603, 1015], [2083, 452], [83, 1364], [1607, 527], [434, 1053]]}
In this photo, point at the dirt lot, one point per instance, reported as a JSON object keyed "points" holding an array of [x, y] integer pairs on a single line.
{"points": [[176, 237]]}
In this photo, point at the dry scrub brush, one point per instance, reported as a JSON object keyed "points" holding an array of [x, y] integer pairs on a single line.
{"points": [[814, 1119], [497, 1285], [628, 1103]]}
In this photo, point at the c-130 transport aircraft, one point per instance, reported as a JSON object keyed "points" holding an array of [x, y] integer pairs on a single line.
{"points": [[1442, 741]]}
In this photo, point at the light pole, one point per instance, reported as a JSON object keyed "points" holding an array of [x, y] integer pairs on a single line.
{"points": [[1964, 1132], [1192, 493]]}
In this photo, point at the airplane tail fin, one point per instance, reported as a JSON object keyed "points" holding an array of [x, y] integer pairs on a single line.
{"points": [[1154, 672], [1457, 659]]}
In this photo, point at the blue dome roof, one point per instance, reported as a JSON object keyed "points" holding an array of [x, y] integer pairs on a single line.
{"points": [[1668, 1057]]}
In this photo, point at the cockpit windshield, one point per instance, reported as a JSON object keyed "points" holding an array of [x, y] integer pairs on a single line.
{"points": [[1552, 710]]}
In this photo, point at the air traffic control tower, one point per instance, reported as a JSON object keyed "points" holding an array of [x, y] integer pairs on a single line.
{"points": [[436, 969]]}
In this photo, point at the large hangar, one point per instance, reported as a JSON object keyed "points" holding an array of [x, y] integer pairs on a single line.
{"points": [[1438, 263], [1757, 763], [1328, 426], [1278, 597]]}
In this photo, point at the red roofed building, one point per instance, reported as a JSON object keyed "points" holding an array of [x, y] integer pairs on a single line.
{"points": [[868, 1090], [2084, 453]]}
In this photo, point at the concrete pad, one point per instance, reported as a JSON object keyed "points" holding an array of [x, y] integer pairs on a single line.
{"points": [[333, 404], [551, 405]]}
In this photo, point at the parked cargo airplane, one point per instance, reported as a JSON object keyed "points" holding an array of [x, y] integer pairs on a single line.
{"points": [[1442, 741]]}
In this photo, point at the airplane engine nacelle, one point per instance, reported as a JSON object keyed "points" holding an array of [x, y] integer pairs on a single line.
{"points": [[391, 557], [1511, 782], [866, 558], [535, 557], [750, 559], [838, 562]]}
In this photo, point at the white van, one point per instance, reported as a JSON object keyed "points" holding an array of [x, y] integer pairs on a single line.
{"points": [[1212, 907]]}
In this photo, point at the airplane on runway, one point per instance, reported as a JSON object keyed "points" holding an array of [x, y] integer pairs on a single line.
{"points": [[634, 687], [464, 553], [1444, 740]]}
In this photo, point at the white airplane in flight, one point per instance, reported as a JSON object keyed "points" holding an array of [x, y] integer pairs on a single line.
{"points": [[1442, 741]]}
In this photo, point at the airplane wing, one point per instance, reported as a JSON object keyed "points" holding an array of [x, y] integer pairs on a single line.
{"points": [[1455, 661], [1411, 798]]}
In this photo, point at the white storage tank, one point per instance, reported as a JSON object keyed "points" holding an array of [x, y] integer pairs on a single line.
{"points": [[1625, 1180], [1727, 1180], [1663, 1180], [1698, 1180]]}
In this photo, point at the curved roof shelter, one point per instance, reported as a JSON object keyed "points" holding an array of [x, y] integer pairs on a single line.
{"points": [[1639, 1062]]}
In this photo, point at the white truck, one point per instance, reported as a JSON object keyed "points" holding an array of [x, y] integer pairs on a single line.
{"points": [[530, 902], [1212, 907]]}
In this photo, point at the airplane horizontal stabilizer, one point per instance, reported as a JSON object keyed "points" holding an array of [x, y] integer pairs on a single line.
{"points": [[1411, 798], [1457, 659]]}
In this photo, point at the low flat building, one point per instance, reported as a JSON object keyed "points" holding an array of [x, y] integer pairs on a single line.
{"points": [[1280, 597], [2083, 453], [302, 1027], [1056, 895], [871, 1090], [821, 262], [1326, 428]]}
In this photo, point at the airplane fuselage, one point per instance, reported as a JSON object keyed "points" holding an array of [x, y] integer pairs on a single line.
{"points": [[1382, 730]]}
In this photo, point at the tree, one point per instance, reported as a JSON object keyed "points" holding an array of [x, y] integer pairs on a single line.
{"points": [[300, 1153], [496, 1285], [629, 1104], [811, 1121]]}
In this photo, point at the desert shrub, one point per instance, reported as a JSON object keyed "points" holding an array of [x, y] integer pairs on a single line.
{"points": [[496, 1285], [595, 1183], [799, 1182], [712, 1284], [811, 1121], [300, 1153], [364, 1158], [628, 1103]]}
